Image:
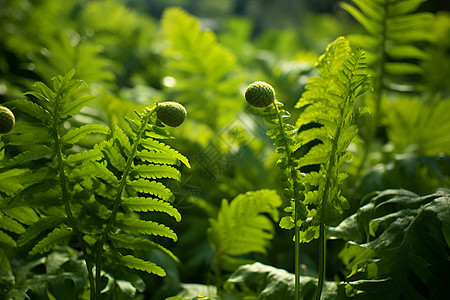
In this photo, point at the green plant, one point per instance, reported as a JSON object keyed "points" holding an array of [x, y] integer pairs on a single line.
{"points": [[398, 246], [98, 195], [394, 32], [316, 200], [242, 228]]}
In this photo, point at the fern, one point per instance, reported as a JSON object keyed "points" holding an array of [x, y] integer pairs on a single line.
{"points": [[398, 246], [326, 122], [242, 227], [394, 32], [96, 195], [205, 72]]}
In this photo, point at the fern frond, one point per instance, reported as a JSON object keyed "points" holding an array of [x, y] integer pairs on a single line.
{"points": [[151, 187], [136, 263], [156, 171], [156, 146], [33, 153], [151, 204], [241, 227], [76, 134], [40, 226], [73, 107], [88, 155], [136, 243], [10, 224], [157, 157], [32, 109], [7, 240], [147, 227], [57, 237]]}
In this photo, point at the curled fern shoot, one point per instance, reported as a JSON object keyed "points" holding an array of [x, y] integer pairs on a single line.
{"points": [[258, 94], [327, 122]]}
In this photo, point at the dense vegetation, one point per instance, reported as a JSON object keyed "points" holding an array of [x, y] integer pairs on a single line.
{"points": [[327, 178]]}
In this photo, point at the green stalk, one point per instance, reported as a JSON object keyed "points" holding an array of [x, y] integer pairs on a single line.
{"points": [[65, 194], [295, 179], [322, 259], [116, 204]]}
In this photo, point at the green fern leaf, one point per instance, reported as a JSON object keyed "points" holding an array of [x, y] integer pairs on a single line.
{"points": [[142, 204], [24, 215], [35, 152], [10, 224], [242, 227], [147, 227], [11, 181], [38, 227], [56, 237], [33, 109], [7, 240], [73, 107], [157, 157], [93, 154], [151, 187], [136, 263], [123, 140], [30, 134], [137, 243], [157, 171], [151, 144], [76, 134]]}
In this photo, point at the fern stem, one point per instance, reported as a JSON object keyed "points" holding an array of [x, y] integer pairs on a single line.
{"points": [[322, 260], [116, 203], [297, 197], [65, 194]]}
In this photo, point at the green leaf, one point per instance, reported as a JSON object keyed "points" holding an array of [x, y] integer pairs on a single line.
{"points": [[38, 227], [157, 157], [242, 227], [157, 171], [33, 110], [35, 152], [10, 224], [151, 144], [408, 254], [76, 134], [271, 283], [132, 262], [151, 187], [147, 227], [6, 240], [56, 237], [144, 204], [137, 243], [93, 154], [75, 106]]}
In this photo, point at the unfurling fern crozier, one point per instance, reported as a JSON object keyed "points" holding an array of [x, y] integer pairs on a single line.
{"points": [[259, 94], [171, 113], [7, 120]]}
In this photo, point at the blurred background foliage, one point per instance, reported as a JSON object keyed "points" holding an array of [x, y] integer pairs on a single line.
{"points": [[203, 54]]}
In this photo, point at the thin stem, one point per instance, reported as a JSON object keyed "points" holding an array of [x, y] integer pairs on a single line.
{"points": [[116, 204], [295, 179], [65, 194], [322, 260], [297, 257]]}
